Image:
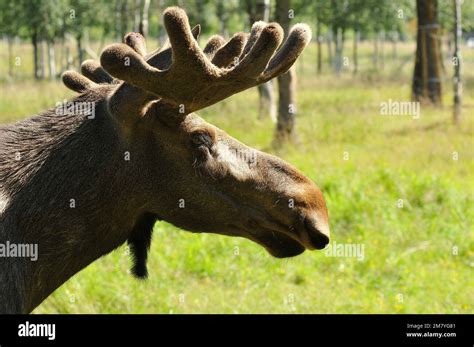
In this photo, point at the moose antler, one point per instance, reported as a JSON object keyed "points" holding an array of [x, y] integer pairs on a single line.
{"points": [[93, 74], [197, 78], [181, 73]]}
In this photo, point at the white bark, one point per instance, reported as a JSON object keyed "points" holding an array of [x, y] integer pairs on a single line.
{"points": [[457, 61], [51, 59]]}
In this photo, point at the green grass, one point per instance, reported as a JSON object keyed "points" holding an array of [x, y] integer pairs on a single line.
{"points": [[408, 251]]}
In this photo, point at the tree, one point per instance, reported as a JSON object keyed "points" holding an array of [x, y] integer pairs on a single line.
{"points": [[124, 14], [257, 11], [143, 27], [427, 73], [322, 13], [53, 28], [286, 85], [85, 14], [226, 11], [358, 20], [8, 12], [457, 61], [30, 18], [340, 23]]}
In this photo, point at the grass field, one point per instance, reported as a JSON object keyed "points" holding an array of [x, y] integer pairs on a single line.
{"points": [[418, 258]]}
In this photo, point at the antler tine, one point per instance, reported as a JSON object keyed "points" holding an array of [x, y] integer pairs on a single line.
{"points": [[298, 39], [122, 62], [230, 52], [187, 59], [137, 42], [213, 45], [76, 82], [161, 57], [186, 51], [184, 74], [196, 31], [255, 62], [255, 32], [161, 60], [95, 72]]}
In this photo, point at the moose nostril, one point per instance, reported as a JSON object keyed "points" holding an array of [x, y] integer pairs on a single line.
{"points": [[319, 241], [317, 238]]}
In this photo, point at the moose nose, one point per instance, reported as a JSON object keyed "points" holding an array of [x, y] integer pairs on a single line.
{"points": [[317, 232]]}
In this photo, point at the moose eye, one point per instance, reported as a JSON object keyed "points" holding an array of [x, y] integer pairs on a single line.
{"points": [[201, 138]]}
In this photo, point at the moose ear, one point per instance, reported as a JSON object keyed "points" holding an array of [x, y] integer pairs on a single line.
{"points": [[196, 31]]}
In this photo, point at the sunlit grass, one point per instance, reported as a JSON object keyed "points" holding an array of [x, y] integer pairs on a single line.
{"points": [[419, 258]]}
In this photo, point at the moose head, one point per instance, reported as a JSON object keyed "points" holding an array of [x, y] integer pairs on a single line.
{"points": [[145, 156]]}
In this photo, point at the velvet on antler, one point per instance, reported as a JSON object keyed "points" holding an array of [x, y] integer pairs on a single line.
{"points": [[196, 79], [181, 73], [126, 99]]}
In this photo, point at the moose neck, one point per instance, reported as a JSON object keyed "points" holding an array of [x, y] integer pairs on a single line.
{"points": [[67, 206]]}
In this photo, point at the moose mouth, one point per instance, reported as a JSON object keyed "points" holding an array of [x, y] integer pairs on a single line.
{"points": [[278, 244], [281, 241]]}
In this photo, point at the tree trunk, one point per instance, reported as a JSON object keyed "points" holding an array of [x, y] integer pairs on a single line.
{"points": [[143, 28], [66, 58], [355, 57], [263, 9], [123, 19], [382, 48], [34, 42], [457, 62], [286, 86], [339, 43], [426, 76], [136, 15], [200, 12], [267, 102], [223, 16], [394, 45], [329, 41], [375, 54], [449, 43], [69, 59], [80, 50], [10, 56], [260, 10], [117, 21], [161, 32], [286, 107], [319, 39], [51, 59], [42, 59]]}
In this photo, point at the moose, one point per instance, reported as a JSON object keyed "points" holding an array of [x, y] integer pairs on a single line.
{"points": [[78, 185]]}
